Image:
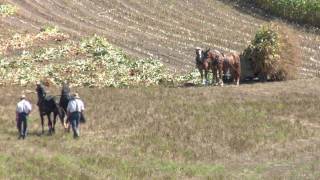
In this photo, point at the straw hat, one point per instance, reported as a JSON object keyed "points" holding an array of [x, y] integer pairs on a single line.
{"points": [[198, 48], [22, 96], [75, 95]]}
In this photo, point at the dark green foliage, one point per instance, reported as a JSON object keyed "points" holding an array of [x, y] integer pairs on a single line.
{"points": [[302, 11]]}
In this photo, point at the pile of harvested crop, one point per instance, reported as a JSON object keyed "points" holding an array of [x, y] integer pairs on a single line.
{"points": [[273, 53]]}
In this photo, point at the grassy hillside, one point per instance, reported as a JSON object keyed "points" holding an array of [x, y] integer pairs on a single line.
{"points": [[267, 131], [166, 30]]}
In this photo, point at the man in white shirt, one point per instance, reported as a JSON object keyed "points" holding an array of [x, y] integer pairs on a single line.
{"points": [[74, 110], [22, 111]]}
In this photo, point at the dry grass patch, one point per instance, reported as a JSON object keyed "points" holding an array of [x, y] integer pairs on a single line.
{"points": [[222, 133]]}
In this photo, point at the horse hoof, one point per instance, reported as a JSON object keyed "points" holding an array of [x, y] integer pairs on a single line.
{"points": [[50, 132]]}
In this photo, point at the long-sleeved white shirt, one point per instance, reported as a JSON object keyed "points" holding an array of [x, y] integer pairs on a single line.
{"points": [[24, 106], [75, 105]]}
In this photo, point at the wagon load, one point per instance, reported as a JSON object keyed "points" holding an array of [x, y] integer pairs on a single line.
{"points": [[273, 54]]}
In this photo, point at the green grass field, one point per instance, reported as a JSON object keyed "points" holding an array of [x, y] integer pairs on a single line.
{"points": [[260, 131]]}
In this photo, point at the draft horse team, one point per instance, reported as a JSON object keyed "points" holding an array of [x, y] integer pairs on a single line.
{"points": [[69, 105], [72, 106], [220, 64]]}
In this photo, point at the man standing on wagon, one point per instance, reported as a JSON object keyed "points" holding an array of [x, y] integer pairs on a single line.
{"points": [[22, 111], [74, 110]]}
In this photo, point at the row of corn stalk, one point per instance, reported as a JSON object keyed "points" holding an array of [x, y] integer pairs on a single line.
{"points": [[303, 11]]}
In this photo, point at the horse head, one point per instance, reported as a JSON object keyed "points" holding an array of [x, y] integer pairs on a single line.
{"points": [[199, 55], [65, 96], [206, 53]]}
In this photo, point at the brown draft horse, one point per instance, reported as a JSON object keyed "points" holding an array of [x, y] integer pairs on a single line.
{"points": [[216, 60], [203, 63], [221, 64]]}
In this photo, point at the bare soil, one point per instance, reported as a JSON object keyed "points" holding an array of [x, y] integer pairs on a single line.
{"points": [[167, 30]]}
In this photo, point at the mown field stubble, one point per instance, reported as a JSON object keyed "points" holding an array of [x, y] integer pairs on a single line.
{"points": [[257, 131]]}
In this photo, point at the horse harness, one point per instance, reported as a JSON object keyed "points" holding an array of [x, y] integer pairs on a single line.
{"points": [[199, 57]]}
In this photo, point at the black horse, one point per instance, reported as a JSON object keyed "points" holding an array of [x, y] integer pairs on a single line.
{"points": [[64, 100], [63, 103], [48, 105]]}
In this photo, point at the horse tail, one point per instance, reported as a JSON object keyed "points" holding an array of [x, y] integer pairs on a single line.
{"points": [[237, 62], [236, 57], [236, 66]]}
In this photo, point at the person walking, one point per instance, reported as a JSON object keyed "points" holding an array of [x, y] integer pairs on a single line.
{"points": [[74, 110], [23, 110]]}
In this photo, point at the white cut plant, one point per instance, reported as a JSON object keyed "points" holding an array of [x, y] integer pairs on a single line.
{"points": [[7, 10], [101, 65]]}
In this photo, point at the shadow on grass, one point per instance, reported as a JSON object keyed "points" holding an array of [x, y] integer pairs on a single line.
{"points": [[227, 83], [33, 133]]}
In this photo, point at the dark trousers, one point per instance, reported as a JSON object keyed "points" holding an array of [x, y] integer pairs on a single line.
{"points": [[22, 124], [75, 121]]}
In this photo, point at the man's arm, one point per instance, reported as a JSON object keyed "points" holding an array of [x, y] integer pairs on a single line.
{"points": [[82, 106], [17, 113], [17, 116]]}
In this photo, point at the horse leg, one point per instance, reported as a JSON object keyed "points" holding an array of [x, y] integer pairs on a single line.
{"points": [[214, 74], [237, 78], [60, 113], [217, 77], [201, 74], [54, 122], [221, 80], [220, 77], [42, 123], [49, 124], [66, 125], [238, 81], [64, 122], [206, 77], [233, 76]]}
